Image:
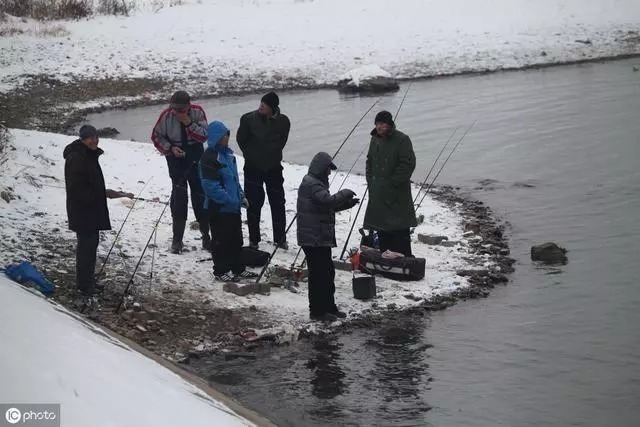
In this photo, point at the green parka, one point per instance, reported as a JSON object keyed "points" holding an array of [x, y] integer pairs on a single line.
{"points": [[390, 164]]}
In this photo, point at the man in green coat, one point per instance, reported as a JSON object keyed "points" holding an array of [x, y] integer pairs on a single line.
{"points": [[390, 164]]}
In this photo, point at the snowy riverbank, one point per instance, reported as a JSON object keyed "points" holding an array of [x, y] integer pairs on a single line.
{"points": [[34, 228], [219, 46]]}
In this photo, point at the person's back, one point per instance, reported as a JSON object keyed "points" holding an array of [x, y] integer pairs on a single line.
{"points": [[316, 208]]}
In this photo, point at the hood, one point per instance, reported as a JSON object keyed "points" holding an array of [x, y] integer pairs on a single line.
{"points": [[215, 131], [320, 163], [78, 147]]}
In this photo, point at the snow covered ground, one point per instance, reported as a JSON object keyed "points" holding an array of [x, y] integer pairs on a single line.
{"points": [[212, 46], [35, 172], [98, 380]]}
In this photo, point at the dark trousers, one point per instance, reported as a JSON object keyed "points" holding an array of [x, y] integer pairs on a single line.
{"points": [[184, 172], [86, 261], [321, 280], [396, 240], [226, 249], [254, 180]]}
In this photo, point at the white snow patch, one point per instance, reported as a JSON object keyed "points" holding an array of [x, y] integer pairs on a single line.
{"points": [[36, 172], [51, 356]]}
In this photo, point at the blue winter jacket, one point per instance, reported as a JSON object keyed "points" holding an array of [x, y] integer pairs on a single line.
{"points": [[219, 172]]}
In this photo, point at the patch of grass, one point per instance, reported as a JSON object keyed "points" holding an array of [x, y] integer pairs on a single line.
{"points": [[158, 5], [10, 30], [5, 140], [47, 9], [38, 29], [51, 31], [114, 7]]}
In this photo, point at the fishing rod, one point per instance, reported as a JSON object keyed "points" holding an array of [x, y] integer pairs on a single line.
{"points": [[155, 200], [104, 263], [264, 269], [353, 129], [434, 164], [153, 232], [153, 257], [366, 190], [344, 248], [444, 163]]}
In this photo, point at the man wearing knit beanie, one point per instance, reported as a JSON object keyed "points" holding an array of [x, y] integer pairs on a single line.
{"points": [[390, 164], [262, 136], [87, 209]]}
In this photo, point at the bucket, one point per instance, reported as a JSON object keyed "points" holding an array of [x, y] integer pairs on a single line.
{"points": [[364, 287]]}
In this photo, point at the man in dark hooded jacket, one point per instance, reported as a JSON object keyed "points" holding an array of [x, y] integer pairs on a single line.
{"points": [[262, 136], [316, 233], [390, 164], [87, 209]]}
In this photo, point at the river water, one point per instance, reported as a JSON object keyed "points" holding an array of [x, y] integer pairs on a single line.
{"points": [[556, 153]]}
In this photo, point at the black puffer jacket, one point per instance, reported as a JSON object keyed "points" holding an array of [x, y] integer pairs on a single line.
{"points": [[317, 207], [262, 139], [87, 209]]}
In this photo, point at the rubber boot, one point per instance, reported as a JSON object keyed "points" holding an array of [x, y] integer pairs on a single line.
{"points": [[178, 233], [206, 238]]}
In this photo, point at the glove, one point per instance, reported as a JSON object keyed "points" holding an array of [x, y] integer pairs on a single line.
{"points": [[348, 193], [352, 202], [245, 203]]}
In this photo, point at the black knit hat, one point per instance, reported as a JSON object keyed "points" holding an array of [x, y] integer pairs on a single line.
{"points": [[180, 99], [87, 131], [272, 100], [384, 117]]}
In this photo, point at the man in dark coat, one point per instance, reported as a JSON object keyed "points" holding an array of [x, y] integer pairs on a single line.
{"points": [[390, 164], [316, 233], [87, 209], [179, 135], [262, 136]]}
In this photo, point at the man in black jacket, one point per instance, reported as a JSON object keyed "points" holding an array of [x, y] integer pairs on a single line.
{"points": [[317, 235], [262, 136], [87, 209]]}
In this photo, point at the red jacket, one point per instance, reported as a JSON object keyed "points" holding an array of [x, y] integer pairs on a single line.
{"points": [[167, 132]]}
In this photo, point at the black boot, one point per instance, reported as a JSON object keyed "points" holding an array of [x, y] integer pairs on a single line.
{"points": [[178, 233], [206, 239]]}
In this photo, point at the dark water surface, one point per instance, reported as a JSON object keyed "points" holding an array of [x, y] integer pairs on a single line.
{"points": [[558, 154]]}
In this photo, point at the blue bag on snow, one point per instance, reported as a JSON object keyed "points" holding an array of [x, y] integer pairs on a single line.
{"points": [[25, 273]]}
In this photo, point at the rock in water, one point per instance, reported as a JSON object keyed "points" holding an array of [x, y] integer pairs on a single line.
{"points": [[108, 132], [549, 253], [370, 78]]}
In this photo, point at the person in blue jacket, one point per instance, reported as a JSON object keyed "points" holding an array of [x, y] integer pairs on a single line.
{"points": [[223, 200]]}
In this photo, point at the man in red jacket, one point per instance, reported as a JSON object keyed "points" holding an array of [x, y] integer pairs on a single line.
{"points": [[179, 134]]}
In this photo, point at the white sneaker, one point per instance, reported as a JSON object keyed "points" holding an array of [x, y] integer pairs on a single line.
{"points": [[225, 277]]}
